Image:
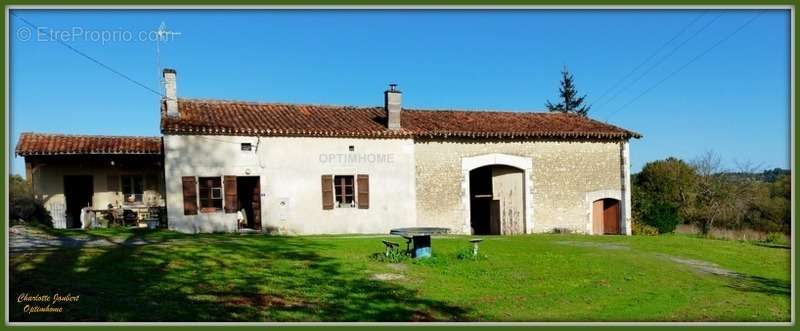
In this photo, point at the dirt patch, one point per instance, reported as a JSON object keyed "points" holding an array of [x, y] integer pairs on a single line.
{"points": [[387, 277], [24, 238], [398, 267], [701, 266], [589, 244]]}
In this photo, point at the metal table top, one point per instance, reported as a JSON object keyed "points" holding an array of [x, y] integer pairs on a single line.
{"points": [[419, 231]]}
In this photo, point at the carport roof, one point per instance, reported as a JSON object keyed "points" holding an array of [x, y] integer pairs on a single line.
{"points": [[65, 144]]}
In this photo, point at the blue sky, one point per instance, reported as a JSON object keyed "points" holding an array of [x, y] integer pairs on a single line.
{"points": [[732, 98]]}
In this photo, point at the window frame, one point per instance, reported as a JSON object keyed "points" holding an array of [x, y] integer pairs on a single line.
{"points": [[129, 180], [340, 191], [206, 200]]}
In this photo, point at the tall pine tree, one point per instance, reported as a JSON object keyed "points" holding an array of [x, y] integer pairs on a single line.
{"points": [[570, 102]]}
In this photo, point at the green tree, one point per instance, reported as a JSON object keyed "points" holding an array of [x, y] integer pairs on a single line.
{"points": [[570, 102], [662, 191]]}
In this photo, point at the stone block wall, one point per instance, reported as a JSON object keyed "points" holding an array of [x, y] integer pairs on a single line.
{"points": [[563, 172]]}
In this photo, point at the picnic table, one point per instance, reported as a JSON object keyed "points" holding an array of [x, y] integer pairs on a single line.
{"points": [[421, 237]]}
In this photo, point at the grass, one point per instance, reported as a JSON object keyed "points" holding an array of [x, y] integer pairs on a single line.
{"points": [[229, 277]]}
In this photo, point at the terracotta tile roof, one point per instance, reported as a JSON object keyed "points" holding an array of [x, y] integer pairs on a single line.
{"points": [[61, 144], [218, 117]]}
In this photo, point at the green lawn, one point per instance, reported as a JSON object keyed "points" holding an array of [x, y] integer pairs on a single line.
{"points": [[229, 277]]}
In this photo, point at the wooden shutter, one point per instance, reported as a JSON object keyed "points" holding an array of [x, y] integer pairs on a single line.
{"points": [[189, 195], [112, 183], [327, 192], [231, 203], [363, 191]]}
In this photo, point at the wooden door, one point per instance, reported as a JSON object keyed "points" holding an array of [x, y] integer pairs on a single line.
{"points": [[611, 216], [256, 203], [597, 217]]}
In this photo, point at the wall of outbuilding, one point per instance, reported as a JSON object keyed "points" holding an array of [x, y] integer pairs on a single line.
{"points": [[563, 174]]}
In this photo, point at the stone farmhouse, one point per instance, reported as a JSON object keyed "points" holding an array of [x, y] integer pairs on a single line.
{"points": [[321, 169]]}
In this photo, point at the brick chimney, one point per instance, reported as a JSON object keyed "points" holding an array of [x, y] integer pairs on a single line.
{"points": [[171, 92], [393, 104]]}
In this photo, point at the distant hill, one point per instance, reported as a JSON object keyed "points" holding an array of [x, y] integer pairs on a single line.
{"points": [[766, 175]]}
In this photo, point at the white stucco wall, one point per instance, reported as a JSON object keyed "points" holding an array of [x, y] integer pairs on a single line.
{"points": [[290, 169]]}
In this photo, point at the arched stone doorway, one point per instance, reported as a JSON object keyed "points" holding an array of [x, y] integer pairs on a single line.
{"points": [[496, 200], [606, 216], [497, 194]]}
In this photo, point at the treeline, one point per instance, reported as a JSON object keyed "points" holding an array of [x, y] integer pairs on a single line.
{"points": [[671, 192]]}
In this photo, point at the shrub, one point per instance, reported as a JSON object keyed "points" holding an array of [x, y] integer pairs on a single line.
{"points": [[466, 254], [641, 229], [394, 256], [27, 210], [661, 215], [776, 238], [562, 231]]}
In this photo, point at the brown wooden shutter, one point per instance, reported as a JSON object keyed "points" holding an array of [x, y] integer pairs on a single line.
{"points": [[189, 195], [112, 183], [327, 192], [231, 203], [363, 191]]}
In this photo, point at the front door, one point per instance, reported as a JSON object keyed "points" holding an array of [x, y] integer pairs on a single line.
{"points": [[256, 204], [611, 216], [78, 191], [249, 193], [597, 217]]}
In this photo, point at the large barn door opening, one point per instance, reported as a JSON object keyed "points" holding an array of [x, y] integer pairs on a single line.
{"points": [[480, 195], [606, 216], [496, 200], [78, 192]]}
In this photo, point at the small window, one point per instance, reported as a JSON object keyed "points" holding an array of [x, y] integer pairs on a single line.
{"points": [[210, 193], [343, 190], [132, 189], [352, 148], [247, 147]]}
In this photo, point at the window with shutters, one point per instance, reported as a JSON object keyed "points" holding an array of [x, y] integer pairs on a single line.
{"points": [[344, 190], [132, 189], [210, 193]]}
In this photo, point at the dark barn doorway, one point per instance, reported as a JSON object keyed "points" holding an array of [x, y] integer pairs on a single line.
{"points": [[497, 203], [480, 202], [78, 192], [248, 192]]}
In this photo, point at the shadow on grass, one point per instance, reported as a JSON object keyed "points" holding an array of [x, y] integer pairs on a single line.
{"points": [[214, 278], [771, 286], [763, 244]]}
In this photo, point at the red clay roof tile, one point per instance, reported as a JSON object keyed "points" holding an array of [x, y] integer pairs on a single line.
{"points": [[217, 117], [60, 144]]}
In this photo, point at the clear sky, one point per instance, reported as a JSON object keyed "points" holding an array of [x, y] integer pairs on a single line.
{"points": [[702, 87]]}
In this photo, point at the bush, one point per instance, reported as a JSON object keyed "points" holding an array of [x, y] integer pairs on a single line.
{"points": [[27, 210], [562, 231], [466, 254], [394, 256], [641, 229], [776, 238], [662, 216]]}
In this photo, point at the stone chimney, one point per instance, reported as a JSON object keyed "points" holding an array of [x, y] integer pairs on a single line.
{"points": [[171, 92], [393, 104]]}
